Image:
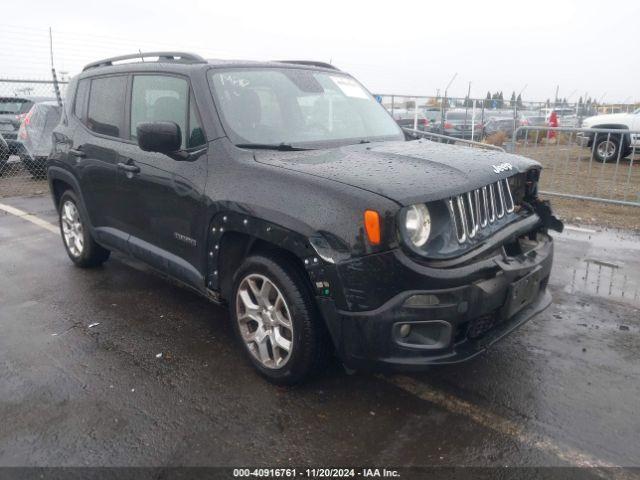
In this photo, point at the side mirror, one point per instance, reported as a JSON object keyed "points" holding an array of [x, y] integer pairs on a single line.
{"points": [[161, 137]]}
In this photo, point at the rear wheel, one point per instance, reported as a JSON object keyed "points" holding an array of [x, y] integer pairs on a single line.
{"points": [[276, 320], [76, 237]]}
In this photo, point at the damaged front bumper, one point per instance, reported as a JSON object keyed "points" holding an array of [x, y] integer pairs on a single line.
{"points": [[404, 315]]}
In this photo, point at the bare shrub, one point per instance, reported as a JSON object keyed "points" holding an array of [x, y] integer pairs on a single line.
{"points": [[496, 139]]}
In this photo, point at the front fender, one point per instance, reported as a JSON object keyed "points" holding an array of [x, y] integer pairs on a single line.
{"points": [[320, 269], [59, 174]]}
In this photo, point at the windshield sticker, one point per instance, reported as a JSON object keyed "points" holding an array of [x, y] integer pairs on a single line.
{"points": [[349, 87]]}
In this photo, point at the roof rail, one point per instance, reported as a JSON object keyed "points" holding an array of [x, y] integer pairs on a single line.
{"points": [[310, 63], [182, 57]]}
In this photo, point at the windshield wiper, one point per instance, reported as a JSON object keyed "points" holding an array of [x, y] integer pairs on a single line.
{"points": [[283, 147]]}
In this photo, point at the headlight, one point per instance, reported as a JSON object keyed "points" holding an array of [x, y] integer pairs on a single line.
{"points": [[417, 223]]}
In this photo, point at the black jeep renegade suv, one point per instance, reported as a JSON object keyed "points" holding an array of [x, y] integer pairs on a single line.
{"points": [[286, 190]]}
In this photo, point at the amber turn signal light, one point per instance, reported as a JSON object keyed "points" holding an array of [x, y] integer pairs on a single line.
{"points": [[372, 226]]}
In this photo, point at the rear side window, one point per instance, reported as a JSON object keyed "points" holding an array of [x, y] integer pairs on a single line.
{"points": [[159, 98], [80, 103], [106, 105]]}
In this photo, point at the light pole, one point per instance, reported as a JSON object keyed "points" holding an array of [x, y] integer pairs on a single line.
{"points": [[446, 90], [446, 96]]}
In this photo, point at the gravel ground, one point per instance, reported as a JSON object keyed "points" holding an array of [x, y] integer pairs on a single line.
{"points": [[14, 181]]}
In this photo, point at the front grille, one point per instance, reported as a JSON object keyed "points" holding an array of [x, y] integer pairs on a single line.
{"points": [[476, 210]]}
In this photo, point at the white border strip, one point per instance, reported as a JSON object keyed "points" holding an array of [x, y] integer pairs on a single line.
{"points": [[30, 218], [579, 229]]}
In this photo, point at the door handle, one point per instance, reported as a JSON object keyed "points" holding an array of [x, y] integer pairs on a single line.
{"points": [[129, 168], [76, 152]]}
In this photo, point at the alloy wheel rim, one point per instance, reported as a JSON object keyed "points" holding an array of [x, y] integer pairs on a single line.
{"points": [[72, 229], [264, 320], [606, 149]]}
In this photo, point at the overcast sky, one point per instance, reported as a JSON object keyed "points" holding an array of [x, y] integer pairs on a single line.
{"points": [[402, 47]]}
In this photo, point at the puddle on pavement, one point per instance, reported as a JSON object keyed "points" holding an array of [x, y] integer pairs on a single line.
{"points": [[605, 279]]}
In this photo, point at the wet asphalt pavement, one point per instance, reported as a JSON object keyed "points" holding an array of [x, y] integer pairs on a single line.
{"points": [[118, 367]]}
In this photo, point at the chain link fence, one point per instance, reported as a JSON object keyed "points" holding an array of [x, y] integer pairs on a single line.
{"points": [[596, 164], [29, 111]]}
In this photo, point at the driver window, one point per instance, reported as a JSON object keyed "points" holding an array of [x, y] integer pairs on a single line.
{"points": [[159, 98]]}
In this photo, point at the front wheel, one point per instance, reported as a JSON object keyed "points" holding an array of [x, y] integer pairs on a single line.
{"points": [[76, 237], [606, 147], [276, 320]]}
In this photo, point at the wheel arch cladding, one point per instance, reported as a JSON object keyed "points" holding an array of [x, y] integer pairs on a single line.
{"points": [[614, 126], [61, 180], [58, 187], [234, 236]]}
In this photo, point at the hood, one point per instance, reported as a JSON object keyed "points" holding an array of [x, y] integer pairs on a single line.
{"points": [[623, 118], [406, 172]]}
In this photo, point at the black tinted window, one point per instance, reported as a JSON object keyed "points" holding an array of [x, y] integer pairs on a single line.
{"points": [[106, 105], [82, 94]]}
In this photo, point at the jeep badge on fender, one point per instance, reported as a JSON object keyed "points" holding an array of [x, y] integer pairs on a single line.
{"points": [[325, 230]]}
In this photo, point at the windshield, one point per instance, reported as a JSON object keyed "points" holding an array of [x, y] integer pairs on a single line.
{"points": [[10, 105], [273, 106]]}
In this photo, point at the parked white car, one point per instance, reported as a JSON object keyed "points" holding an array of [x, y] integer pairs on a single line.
{"points": [[608, 146]]}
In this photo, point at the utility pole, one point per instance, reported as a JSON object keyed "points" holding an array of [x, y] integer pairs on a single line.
{"points": [[446, 90], [444, 103], [466, 107], [523, 89], [56, 87]]}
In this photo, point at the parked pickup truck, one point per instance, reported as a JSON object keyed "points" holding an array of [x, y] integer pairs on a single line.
{"points": [[608, 146]]}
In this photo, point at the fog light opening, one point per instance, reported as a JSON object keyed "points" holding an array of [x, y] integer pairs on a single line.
{"points": [[405, 330]]}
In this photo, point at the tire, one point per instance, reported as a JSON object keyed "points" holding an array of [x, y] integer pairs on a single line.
{"points": [[82, 249], [606, 147], [307, 335]]}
